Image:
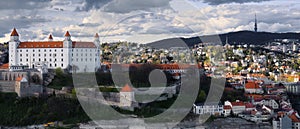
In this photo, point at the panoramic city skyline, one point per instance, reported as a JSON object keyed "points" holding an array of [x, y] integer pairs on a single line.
{"points": [[143, 21]]}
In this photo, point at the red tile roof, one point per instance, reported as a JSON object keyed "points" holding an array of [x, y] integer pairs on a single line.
{"points": [[4, 66], [19, 79], [251, 85], [126, 88], [67, 34], [14, 32], [227, 107], [55, 44], [41, 44], [294, 117], [239, 103]]}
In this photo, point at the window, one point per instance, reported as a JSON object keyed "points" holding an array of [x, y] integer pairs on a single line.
{"points": [[55, 65], [50, 65], [39, 59], [33, 55], [26, 55], [20, 59], [63, 50], [33, 59], [26, 59], [39, 55], [26, 50], [62, 54], [33, 50], [50, 50], [45, 59], [55, 50], [20, 55], [44, 50], [39, 50], [62, 65], [62, 59], [20, 50], [45, 55]]}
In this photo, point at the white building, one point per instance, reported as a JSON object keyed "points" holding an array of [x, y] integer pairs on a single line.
{"points": [[211, 109], [78, 56]]}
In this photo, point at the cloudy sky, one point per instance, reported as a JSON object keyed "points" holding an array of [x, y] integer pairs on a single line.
{"points": [[143, 20]]}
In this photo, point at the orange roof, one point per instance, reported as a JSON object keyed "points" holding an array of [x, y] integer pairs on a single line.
{"points": [[294, 117], [126, 88], [4, 66], [55, 44], [251, 85], [14, 32], [19, 79], [240, 103], [67, 34], [41, 44]]}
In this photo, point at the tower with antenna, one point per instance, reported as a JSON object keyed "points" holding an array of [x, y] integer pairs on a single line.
{"points": [[255, 24]]}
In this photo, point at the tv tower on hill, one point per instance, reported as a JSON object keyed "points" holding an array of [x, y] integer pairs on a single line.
{"points": [[255, 24]]}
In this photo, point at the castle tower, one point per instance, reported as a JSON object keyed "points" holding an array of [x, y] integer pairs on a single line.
{"points": [[13, 45], [21, 85], [126, 96], [255, 24], [67, 45], [96, 40]]}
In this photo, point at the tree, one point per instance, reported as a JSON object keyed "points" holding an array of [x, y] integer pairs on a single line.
{"points": [[202, 96]]}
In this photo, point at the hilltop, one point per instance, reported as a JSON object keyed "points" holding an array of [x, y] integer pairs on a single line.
{"points": [[239, 37]]}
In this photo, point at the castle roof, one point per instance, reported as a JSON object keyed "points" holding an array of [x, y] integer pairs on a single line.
{"points": [[96, 35], [67, 34], [55, 44], [50, 36], [126, 88], [14, 32]]}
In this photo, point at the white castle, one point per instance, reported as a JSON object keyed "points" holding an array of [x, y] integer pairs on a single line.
{"points": [[42, 55]]}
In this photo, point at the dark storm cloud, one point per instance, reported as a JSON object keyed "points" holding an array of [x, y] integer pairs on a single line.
{"points": [[126, 6], [23, 4], [18, 22], [217, 2]]}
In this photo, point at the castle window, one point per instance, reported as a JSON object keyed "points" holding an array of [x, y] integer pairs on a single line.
{"points": [[62, 54], [26, 50], [50, 54], [39, 50], [50, 65], [39, 55], [62, 65], [62, 50], [45, 55], [33, 50], [26, 59], [50, 59], [44, 50], [62, 59], [20, 59], [55, 65], [17, 50], [33, 54], [20, 50], [20, 55], [26, 55], [39, 59], [33, 59], [55, 50], [50, 50], [45, 59]]}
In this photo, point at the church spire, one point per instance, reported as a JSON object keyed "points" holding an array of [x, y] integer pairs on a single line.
{"points": [[255, 24]]}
